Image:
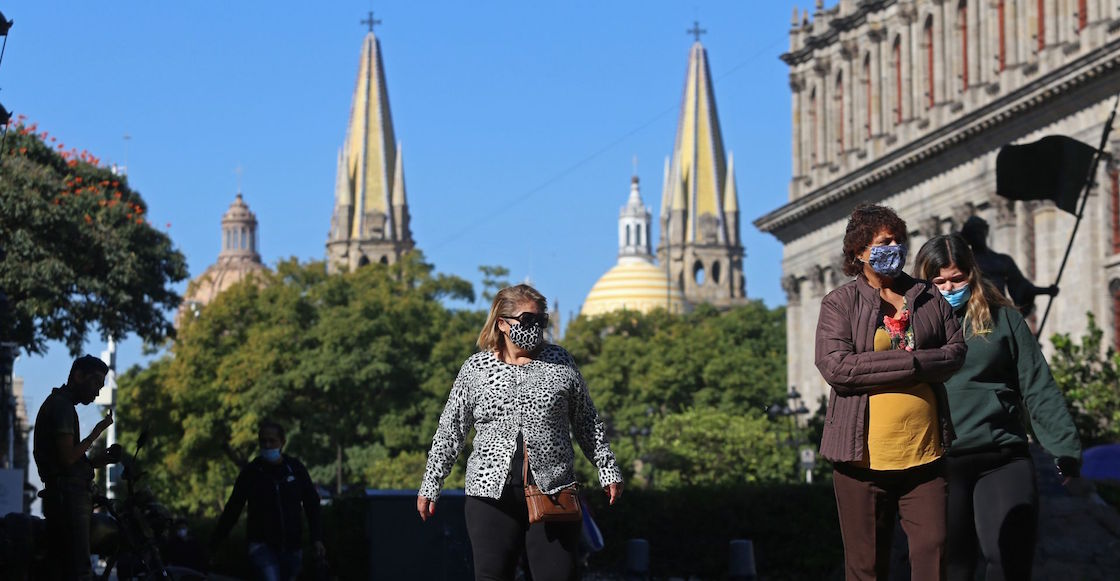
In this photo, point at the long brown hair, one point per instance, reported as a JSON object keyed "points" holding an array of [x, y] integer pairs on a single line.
{"points": [[947, 250], [505, 305]]}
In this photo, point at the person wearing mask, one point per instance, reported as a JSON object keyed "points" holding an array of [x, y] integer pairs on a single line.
{"points": [[523, 396], [66, 472], [993, 495], [275, 486], [885, 343]]}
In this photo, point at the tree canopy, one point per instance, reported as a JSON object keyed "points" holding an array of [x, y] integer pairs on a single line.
{"points": [[355, 365], [79, 251], [358, 366]]}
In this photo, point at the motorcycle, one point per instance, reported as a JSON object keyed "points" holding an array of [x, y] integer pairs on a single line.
{"points": [[126, 532]]}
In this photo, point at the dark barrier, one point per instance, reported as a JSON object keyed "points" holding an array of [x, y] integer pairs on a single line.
{"points": [[401, 546]]}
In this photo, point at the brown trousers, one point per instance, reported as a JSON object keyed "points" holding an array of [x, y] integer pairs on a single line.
{"points": [[868, 501]]}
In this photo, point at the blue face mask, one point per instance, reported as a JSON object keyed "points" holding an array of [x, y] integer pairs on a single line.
{"points": [[957, 297], [888, 260], [270, 455]]}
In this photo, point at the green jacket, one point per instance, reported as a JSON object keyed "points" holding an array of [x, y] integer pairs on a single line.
{"points": [[1003, 372]]}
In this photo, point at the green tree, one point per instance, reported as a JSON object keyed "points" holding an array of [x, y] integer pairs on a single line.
{"points": [[80, 252], [640, 367], [705, 446], [494, 279], [347, 362], [1087, 374]]}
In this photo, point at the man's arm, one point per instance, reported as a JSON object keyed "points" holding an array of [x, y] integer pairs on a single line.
{"points": [[70, 453], [232, 511]]}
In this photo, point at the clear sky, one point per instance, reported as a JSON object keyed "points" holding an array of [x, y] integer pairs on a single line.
{"points": [[519, 121]]}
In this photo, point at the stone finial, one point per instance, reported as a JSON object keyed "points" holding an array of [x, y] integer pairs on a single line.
{"points": [[793, 21]]}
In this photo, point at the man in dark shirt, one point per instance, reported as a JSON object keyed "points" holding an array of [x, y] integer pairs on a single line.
{"points": [[66, 472], [274, 485]]}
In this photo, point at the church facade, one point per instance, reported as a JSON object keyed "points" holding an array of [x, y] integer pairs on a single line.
{"points": [[906, 103]]}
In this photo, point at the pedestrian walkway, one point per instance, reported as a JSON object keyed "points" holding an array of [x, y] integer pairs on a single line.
{"points": [[1079, 536]]}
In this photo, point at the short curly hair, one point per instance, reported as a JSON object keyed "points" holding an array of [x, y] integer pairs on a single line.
{"points": [[866, 221]]}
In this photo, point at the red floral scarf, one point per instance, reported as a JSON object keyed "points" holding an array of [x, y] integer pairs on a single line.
{"points": [[902, 335]]}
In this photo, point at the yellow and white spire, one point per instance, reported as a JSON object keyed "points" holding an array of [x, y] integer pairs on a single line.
{"points": [[697, 183], [371, 220], [700, 242]]}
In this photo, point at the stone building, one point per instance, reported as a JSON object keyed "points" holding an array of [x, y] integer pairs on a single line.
{"points": [[700, 243], [906, 103], [371, 220], [238, 259], [635, 283]]}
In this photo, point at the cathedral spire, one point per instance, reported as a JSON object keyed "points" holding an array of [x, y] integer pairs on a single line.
{"points": [[699, 200], [370, 221]]}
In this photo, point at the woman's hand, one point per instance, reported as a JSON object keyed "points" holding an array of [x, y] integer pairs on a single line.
{"points": [[427, 507], [614, 491]]}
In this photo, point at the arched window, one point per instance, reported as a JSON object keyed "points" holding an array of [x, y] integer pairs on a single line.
{"points": [[1041, 26], [840, 125], [628, 235], [867, 96], [962, 29], [638, 237], [1001, 24], [927, 44], [813, 153], [896, 61], [244, 239]]}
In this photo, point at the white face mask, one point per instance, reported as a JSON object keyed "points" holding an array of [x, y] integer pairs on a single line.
{"points": [[270, 454]]}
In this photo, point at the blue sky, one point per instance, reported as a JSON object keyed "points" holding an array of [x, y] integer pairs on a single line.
{"points": [[519, 121]]}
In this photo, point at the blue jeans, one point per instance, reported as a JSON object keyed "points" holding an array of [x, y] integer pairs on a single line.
{"points": [[270, 564]]}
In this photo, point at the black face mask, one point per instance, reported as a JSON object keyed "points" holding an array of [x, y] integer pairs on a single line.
{"points": [[527, 337]]}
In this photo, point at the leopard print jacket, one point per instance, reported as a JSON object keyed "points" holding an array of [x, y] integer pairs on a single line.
{"points": [[545, 400]]}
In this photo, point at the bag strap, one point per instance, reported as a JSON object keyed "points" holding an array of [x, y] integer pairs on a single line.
{"points": [[525, 463]]}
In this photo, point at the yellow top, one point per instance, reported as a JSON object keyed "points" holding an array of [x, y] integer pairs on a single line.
{"points": [[902, 425], [634, 285]]}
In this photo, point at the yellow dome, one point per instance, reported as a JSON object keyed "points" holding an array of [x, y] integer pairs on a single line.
{"points": [[635, 286]]}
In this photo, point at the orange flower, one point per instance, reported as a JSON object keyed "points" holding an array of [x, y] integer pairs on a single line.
{"points": [[102, 203], [88, 219], [112, 203], [23, 150], [139, 220], [77, 180]]}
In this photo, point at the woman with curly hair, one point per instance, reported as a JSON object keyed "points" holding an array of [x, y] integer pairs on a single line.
{"points": [[885, 344]]}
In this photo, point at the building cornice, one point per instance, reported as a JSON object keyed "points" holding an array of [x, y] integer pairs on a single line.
{"points": [[984, 129], [836, 25]]}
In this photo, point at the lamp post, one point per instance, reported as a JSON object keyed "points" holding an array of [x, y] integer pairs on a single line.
{"points": [[793, 409]]}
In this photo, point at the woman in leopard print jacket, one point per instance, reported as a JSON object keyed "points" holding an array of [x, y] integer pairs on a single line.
{"points": [[517, 392]]}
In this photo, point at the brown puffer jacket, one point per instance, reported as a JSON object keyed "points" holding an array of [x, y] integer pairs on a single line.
{"points": [[846, 357]]}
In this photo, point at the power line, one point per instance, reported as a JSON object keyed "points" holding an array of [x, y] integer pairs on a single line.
{"points": [[524, 197]]}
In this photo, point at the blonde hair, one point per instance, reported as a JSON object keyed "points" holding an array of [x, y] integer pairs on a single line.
{"points": [[505, 304], [952, 249]]}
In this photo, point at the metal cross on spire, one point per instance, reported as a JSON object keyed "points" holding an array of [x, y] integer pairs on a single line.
{"points": [[370, 21], [237, 170], [696, 30]]}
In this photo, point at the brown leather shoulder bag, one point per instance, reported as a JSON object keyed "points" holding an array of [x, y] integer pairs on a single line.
{"points": [[562, 506]]}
